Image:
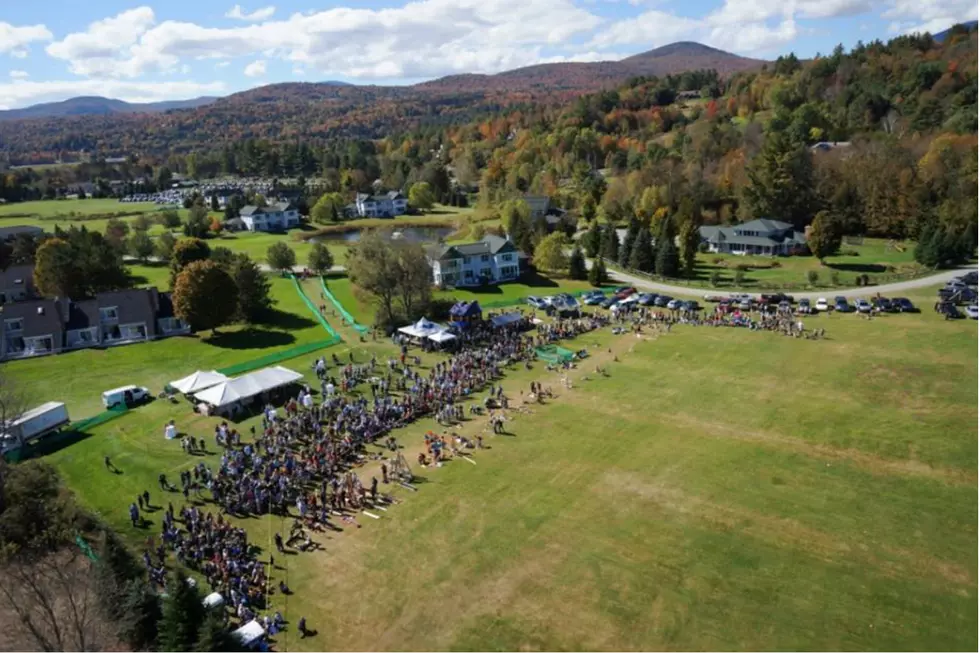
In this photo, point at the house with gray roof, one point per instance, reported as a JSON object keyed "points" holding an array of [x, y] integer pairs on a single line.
{"points": [[385, 205], [757, 237], [17, 283], [491, 260], [31, 328], [278, 216]]}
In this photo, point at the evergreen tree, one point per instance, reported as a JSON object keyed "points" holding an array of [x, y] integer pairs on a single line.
{"points": [[925, 254], [253, 287], [642, 257], [626, 249], [576, 265], [597, 273], [610, 243], [140, 616], [689, 219], [781, 185], [592, 240], [668, 259], [183, 614], [214, 635], [824, 237]]}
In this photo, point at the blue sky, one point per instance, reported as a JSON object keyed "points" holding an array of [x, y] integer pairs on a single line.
{"points": [[180, 49]]}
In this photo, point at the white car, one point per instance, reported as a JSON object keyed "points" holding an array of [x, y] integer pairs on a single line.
{"points": [[536, 302], [971, 311], [862, 305], [821, 304], [674, 304]]}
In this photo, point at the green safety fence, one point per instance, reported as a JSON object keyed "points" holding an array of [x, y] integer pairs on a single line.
{"points": [[101, 418], [554, 354], [292, 352], [360, 328], [86, 549]]}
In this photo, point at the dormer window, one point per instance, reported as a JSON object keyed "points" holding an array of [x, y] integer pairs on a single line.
{"points": [[109, 313]]}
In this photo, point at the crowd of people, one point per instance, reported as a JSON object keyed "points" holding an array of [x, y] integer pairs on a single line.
{"points": [[778, 321]]}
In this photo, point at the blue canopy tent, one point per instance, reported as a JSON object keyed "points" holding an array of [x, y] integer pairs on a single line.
{"points": [[462, 314]]}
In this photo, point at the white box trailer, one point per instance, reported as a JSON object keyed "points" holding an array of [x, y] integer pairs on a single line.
{"points": [[34, 424]]}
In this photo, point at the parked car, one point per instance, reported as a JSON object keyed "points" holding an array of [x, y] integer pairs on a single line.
{"points": [[127, 395], [862, 305], [608, 302], [674, 304], [903, 305], [971, 311], [593, 298], [970, 278], [536, 302], [804, 308], [713, 298], [690, 306], [745, 305], [662, 301], [775, 300], [883, 304], [651, 299], [624, 291], [841, 305], [821, 304]]}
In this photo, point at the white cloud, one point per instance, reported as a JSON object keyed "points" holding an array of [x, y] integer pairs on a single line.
{"points": [[19, 74], [222, 64], [425, 38], [13, 38], [238, 13], [25, 92], [930, 15], [255, 69], [108, 47]]}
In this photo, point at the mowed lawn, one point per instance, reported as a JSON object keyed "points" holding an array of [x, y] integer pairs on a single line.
{"points": [[720, 489], [878, 258], [79, 377]]}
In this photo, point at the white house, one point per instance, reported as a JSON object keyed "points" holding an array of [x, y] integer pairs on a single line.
{"points": [[274, 217], [488, 261], [761, 237], [388, 205]]}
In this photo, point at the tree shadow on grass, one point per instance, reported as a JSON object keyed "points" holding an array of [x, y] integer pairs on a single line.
{"points": [[282, 320], [874, 268], [251, 338]]}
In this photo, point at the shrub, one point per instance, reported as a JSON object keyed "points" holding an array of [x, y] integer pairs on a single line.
{"points": [[715, 278], [717, 260], [775, 264], [739, 276], [812, 277], [857, 280], [835, 278]]}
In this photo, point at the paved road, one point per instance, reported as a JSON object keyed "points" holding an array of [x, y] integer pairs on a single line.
{"points": [[884, 289]]}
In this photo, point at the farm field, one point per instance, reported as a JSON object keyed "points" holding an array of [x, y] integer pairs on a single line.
{"points": [[719, 489]]}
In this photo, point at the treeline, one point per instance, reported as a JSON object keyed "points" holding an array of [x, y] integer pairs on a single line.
{"points": [[70, 584]]}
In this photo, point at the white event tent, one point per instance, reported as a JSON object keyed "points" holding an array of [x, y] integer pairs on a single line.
{"points": [[248, 386], [441, 337], [421, 329], [198, 381]]}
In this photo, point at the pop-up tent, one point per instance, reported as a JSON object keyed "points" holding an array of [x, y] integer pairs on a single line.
{"points": [[421, 329], [249, 634], [198, 381], [247, 386], [441, 337], [464, 313], [506, 318]]}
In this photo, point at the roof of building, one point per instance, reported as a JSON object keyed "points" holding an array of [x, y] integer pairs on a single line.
{"points": [[17, 275], [390, 195], [41, 316], [717, 235], [275, 207], [16, 230], [763, 225], [133, 305], [487, 245]]}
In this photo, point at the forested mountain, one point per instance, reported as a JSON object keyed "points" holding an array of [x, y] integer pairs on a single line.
{"points": [[883, 139], [317, 111], [83, 106]]}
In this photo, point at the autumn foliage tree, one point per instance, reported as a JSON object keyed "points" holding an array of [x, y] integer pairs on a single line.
{"points": [[185, 252], [205, 295]]}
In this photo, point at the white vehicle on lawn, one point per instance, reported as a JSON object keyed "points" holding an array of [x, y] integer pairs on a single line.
{"points": [[821, 305], [971, 311], [127, 395]]}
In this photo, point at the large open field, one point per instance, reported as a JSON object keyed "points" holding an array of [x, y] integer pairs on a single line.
{"points": [[719, 489]]}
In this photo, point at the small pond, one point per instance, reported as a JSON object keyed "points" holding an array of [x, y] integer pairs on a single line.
{"points": [[413, 234]]}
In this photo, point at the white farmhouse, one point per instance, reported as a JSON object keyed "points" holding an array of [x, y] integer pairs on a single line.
{"points": [[274, 217], [488, 261]]}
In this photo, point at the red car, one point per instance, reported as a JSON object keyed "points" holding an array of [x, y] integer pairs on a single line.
{"points": [[624, 292]]}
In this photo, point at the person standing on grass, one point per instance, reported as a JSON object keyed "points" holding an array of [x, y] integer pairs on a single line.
{"points": [[134, 514], [302, 627]]}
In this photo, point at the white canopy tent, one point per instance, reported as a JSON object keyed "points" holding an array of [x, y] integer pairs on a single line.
{"points": [[421, 329], [506, 318], [247, 386], [198, 381], [249, 633], [441, 337]]}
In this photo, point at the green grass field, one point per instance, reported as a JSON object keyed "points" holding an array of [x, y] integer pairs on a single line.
{"points": [[720, 489]]}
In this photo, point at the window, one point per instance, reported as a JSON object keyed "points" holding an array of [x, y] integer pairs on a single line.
{"points": [[507, 257], [14, 325], [109, 313], [485, 257]]}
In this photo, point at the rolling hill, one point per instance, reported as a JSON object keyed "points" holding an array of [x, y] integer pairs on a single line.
{"points": [[99, 106]]}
